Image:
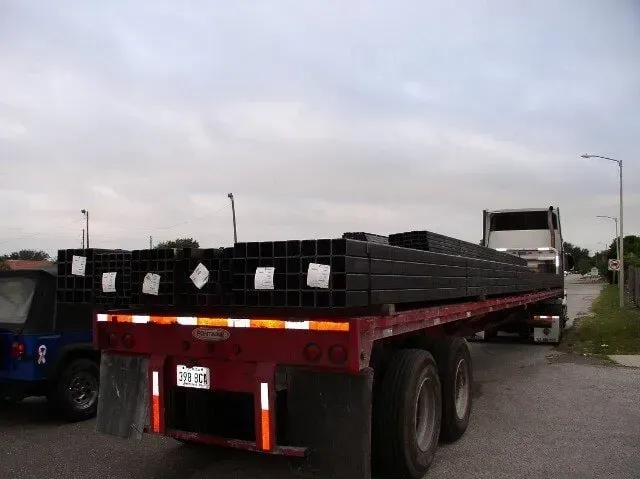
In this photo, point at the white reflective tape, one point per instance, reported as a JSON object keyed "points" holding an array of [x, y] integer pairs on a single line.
{"points": [[264, 396], [238, 323], [103, 317], [544, 249], [501, 249], [296, 324], [186, 321], [156, 384], [140, 319]]}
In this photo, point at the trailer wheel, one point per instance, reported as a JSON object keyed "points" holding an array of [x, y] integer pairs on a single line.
{"points": [[456, 376], [409, 415]]}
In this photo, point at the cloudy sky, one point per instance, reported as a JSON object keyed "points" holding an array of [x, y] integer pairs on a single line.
{"points": [[320, 116]]}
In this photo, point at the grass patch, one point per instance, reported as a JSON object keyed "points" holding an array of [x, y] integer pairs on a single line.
{"points": [[608, 330]]}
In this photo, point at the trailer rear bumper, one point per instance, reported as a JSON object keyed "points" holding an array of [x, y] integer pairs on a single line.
{"points": [[327, 414], [291, 451], [542, 321]]}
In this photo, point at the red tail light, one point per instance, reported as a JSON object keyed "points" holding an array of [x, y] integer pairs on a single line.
{"points": [[17, 350], [113, 340], [338, 354], [127, 341], [312, 352]]}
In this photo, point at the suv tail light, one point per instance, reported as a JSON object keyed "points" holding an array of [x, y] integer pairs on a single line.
{"points": [[17, 350]]}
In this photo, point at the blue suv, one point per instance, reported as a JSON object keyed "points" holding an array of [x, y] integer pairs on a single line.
{"points": [[46, 347]]}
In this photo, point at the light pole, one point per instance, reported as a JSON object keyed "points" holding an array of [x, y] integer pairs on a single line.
{"points": [[621, 235], [86, 215], [233, 211]]}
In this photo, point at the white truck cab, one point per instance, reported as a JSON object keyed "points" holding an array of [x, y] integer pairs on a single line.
{"points": [[534, 234]]}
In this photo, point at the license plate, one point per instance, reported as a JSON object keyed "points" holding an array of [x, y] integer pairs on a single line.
{"points": [[197, 377]]}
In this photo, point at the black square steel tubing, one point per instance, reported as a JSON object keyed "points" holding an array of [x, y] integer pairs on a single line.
{"points": [[396, 282], [293, 248], [349, 282], [438, 267], [379, 297], [370, 237], [280, 249], [238, 297], [292, 297], [280, 298]]}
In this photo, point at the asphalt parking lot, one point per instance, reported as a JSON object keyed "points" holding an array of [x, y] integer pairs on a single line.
{"points": [[537, 414]]}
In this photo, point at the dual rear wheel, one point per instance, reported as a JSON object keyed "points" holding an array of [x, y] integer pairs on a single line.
{"points": [[424, 397]]}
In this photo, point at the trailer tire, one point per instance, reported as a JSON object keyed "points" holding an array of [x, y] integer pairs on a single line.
{"points": [[408, 415], [456, 377]]}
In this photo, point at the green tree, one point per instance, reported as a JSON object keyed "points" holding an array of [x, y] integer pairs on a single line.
{"points": [[29, 255], [178, 243], [3, 265], [581, 257]]}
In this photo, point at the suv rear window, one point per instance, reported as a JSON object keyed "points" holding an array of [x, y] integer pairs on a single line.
{"points": [[15, 299]]}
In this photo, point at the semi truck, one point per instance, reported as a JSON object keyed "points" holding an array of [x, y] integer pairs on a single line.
{"points": [[353, 391], [534, 234]]}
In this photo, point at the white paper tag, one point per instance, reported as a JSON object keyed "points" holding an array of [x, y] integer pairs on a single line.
{"points": [[109, 282], [78, 265], [151, 284], [318, 275], [264, 277], [200, 276]]}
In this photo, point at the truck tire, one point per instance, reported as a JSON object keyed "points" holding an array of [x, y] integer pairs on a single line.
{"points": [[75, 394], [409, 414], [455, 369], [456, 377]]}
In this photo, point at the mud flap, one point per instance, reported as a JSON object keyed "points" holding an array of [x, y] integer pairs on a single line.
{"points": [[123, 404], [330, 414]]}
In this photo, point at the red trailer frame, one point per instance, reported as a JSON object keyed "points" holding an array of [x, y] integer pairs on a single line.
{"points": [[244, 354]]}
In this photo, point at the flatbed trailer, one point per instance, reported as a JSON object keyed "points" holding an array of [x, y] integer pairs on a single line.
{"points": [[348, 393]]}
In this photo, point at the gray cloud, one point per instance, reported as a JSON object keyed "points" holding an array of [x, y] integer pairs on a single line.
{"points": [[320, 117]]}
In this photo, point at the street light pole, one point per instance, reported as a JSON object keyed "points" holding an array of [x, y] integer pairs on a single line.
{"points": [[86, 215], [621, 235], [233, 211]]}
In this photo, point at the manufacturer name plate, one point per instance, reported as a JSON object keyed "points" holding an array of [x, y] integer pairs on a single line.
{"points": [[211, 334]]}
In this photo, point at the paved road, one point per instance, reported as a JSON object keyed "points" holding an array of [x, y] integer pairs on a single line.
{"points": [[581, 295], [537, 414]]}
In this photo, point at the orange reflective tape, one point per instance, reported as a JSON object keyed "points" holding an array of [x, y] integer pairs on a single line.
{"points": [[155, 416], [224, 322], [266, 432], [121, 318], [328, 326], [164, 319], [267, 323], [271, 323]]}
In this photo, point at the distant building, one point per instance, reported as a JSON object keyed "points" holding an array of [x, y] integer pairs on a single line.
{"points": [[17, 264]]}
